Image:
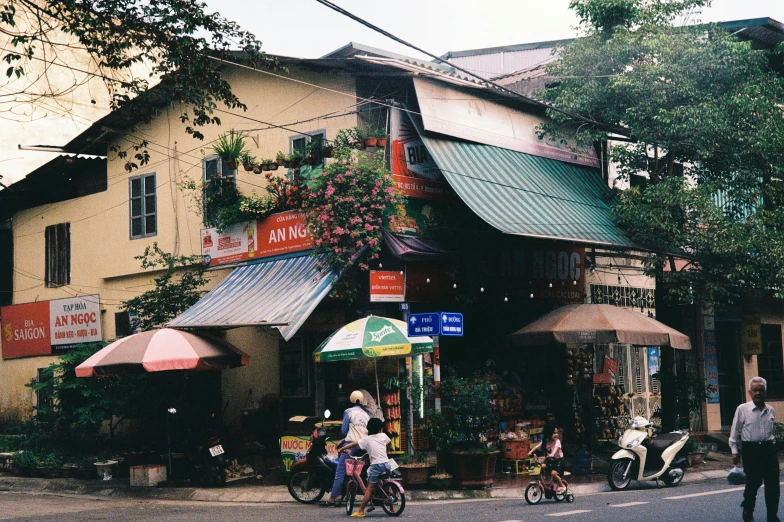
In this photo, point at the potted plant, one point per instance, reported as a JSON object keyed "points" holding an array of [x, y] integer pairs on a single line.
{"points": [[345, 138], [230, 147], [439, 481], [414, 470], [26, 463], [381, 136], [248, 161], [295, 159], [280, 157], [459, 430], [266, 164]]}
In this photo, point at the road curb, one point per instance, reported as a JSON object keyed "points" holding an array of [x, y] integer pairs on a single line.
{"points": [[279, 494]]}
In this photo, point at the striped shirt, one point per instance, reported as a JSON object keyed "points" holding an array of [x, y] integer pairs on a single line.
{"points": [[752, 425]]}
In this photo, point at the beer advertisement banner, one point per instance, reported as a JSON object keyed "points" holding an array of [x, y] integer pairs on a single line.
{"points": [[415, 173], [47, 327]]}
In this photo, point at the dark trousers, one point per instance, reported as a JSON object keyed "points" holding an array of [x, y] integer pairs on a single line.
{"points": [[761, 465]]}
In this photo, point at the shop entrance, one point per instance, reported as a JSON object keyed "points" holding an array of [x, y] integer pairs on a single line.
{"points": [[728, 339]]}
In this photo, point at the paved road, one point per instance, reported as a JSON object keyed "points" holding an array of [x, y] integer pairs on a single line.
{"points": [[704, 502]]}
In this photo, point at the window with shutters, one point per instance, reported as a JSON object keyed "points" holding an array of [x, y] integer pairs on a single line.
{"points": [[58, 255], [770, 362], [143, 206]]}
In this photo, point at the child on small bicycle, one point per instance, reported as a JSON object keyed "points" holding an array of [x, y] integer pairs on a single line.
{"points": [[550, 447], [375, 443]]}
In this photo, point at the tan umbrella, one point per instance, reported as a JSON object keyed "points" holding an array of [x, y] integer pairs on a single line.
{"points": [[598, 324], [162, 350]]}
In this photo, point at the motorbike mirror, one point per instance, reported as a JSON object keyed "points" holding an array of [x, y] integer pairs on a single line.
{"points": [[327, 413]]}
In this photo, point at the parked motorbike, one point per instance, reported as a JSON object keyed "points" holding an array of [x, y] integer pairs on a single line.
{"points": [[206, 460], [313, 476], [644, 457]]}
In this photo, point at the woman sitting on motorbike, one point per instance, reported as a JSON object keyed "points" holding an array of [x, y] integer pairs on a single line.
{"points": [[354, 427], [550, 447]]}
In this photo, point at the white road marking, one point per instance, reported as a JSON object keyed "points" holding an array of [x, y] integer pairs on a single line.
{"points": [[565, 513], [705, 493], [629, 504]]}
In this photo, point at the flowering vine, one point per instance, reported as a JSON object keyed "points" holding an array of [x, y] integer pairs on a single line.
{"points": [[345, 208]]}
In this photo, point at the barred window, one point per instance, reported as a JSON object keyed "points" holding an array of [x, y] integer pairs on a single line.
{"points": [[58, 255]]}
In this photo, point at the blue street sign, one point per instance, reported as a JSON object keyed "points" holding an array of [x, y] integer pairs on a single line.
{"points": [[424, 324], [451, 323]]}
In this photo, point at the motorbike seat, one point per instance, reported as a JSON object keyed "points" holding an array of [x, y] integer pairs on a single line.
{"points": [[664, 441]]}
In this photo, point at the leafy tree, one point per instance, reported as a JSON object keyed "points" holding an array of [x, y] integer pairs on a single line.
{"points": [[78, 407], [176, 290], [175, 40], [701, 111]]}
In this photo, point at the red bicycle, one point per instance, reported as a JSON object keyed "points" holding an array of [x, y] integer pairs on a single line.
{"points": [[388, 493], [541, 487]]}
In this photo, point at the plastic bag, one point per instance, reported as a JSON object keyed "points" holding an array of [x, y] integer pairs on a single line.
{"points": [[736, 476]]}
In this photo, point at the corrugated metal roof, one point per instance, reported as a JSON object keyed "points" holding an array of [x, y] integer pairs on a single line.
{"points": [[281, 293], [527, 195]]}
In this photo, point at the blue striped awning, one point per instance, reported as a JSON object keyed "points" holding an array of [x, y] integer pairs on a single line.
{"points": [[527, 195], [281, 293]]}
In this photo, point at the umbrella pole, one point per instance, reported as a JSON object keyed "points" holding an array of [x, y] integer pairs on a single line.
{"points": [[378, 393]]}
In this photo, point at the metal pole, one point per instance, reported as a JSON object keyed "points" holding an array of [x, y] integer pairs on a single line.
{"points": [[437, 373]]}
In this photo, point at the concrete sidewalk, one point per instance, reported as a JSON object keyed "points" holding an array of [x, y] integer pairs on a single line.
{"points": [[250, 490]]}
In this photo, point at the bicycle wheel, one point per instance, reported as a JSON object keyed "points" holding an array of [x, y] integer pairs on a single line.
{"points": [[393, 499], [351, 496], [533, 493], [305, 490]]}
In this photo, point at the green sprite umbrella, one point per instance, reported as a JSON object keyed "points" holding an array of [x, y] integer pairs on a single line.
{"points": [[370, 338]]}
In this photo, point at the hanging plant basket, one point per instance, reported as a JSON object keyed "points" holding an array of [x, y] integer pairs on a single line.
{"points": [[382, 142], [248, 167], [371, 142], [328, 151]]}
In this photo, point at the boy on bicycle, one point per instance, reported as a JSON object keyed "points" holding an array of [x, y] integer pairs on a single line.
{"points": [[376, 446]]}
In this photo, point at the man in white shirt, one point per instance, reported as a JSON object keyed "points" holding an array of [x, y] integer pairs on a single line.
{"points": [[754, 427]]}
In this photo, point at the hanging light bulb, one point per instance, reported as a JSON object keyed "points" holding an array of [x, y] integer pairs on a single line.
{"points": [[550, 285], [380, 265], [532, 296], [482, 289], [427, 280], [574, 283], [454, 285], [506, 299]]}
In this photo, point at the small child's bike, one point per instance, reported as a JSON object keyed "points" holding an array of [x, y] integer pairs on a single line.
{"points": [[388, 493], [545, 487]]}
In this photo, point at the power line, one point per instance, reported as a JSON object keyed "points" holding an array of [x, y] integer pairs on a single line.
{"points": [[367, 24]]}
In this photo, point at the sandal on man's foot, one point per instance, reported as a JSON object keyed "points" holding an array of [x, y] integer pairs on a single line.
{"points": [[357, 514]]}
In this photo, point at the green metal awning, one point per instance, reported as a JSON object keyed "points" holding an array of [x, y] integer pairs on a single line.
{"points": [[527, 195]]}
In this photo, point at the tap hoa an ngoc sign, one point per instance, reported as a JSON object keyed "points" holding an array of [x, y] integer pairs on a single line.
{"points": [[278, 234], [47, 327]]}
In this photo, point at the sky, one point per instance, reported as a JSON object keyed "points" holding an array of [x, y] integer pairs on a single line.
{"points": [[307, 29]]}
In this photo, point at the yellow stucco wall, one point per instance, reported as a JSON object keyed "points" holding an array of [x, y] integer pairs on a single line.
{"points": [[102, 254]]}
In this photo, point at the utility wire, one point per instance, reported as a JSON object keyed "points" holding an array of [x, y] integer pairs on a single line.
{"points": [[367, 24]]}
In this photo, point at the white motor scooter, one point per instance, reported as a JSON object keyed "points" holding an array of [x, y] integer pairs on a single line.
{"points": [[644, 457]]}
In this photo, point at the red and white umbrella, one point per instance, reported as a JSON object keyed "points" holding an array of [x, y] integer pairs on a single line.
{"points": [[162, 350]]}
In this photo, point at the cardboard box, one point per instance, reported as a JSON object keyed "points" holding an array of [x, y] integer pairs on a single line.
{"points": [[149, 475]]}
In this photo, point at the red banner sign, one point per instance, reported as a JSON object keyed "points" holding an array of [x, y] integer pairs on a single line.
{"points": [[282, 233], [387, 286], [278, 234]]}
